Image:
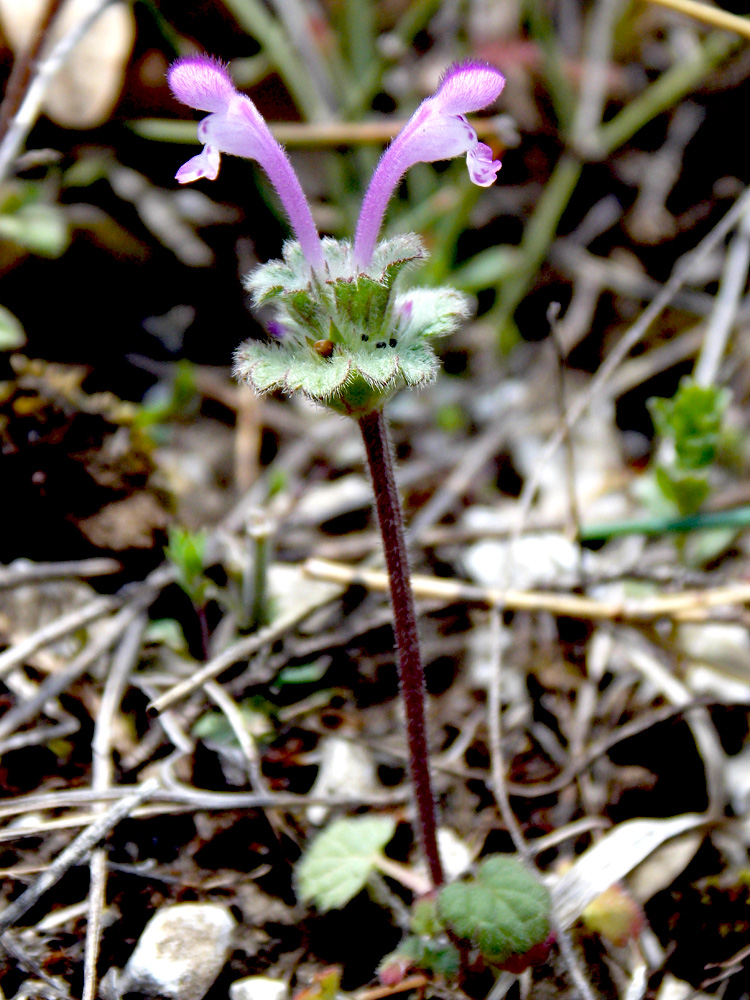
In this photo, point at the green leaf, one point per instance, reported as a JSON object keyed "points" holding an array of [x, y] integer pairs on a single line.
{"points": [[12, 335], [438, 957], [684, 489], [503, 911], [42, 229], [363, 302], [186, 551], [341, 859], [693, 421], [391, 256]]}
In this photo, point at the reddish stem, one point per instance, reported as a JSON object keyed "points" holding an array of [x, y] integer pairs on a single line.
{"points": [[411, 676]]}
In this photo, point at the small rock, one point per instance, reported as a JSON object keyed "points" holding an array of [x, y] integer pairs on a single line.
{"points": [[258, 988], [181, 951], [343, 764]]}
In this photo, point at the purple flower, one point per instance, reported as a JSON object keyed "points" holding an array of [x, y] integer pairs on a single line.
{"points": [[437, 130], [235, 126]]}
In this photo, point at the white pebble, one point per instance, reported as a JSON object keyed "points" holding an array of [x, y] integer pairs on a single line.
{"points": [[181, 951], [258, 988]]}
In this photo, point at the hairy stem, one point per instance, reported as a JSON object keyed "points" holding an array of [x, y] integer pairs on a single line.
{"points": [[411, 676]]}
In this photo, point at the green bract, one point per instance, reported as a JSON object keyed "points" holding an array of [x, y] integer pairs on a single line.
{"points": [[349, 339]]}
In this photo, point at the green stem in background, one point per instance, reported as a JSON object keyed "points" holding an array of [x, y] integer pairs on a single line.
{"points": [[411, 675], [537, 237], [674, 84], [559, 88], [254, 583], [254, 18], [730, 519], [541, 229]]}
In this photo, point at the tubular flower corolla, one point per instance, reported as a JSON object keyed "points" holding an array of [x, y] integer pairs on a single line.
{"points": [[235, 126], [438, 130]]}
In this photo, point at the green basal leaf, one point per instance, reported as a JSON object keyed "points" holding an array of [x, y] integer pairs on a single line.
{"points": [[425, 919], [186, 551], [341, 859], [441, 958], [503, 911]]}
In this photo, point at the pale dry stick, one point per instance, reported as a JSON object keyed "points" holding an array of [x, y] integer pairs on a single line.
{"points": [[29, 962], [574, 508], [75, 852], [623, 278], [123, 662], [315, 134], [58, 629], [54, 685], [628, 341], [726, 305], [45, 70], [635, 371], [240, 650], [500, 791], [23, 64], [687, 605], [462, 475], [596, 65], [709, 14], [494, 728], [40, 735], [247, 744], [297, 18], [698, 719], [649, 217], [22, 572], [182, 799]]}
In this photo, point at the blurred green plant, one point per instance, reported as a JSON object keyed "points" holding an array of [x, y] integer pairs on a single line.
{"points": [[31, 221], [691, 426], [187, 553], [174, 398], [502, 911]]}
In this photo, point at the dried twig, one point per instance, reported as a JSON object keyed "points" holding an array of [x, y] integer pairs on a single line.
{"points": [[124, 660], [709, 15], [500, 791], [726, 305], [688, 605], [21, 572], [240, 650], [57, 629], [45, 70], [75, 852]]}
